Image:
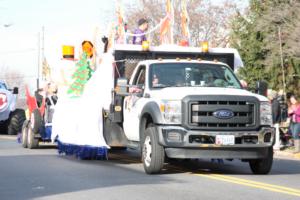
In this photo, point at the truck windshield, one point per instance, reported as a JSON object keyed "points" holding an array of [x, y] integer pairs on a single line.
{"points": [[192, 75], [2, 86]]}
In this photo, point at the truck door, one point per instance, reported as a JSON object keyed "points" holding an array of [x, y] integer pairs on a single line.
{"points": [[133, 104]]}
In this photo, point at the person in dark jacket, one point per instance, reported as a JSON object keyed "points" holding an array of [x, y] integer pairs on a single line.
{"points": [[276, 116]]}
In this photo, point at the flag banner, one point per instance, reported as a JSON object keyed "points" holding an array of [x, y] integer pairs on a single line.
{"points": [[184, 24], [166, 29], [120, 29]]}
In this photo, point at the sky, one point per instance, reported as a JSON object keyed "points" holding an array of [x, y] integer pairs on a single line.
{"points": [[65, 22]]}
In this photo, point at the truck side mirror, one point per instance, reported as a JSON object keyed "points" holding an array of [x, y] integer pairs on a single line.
{"points": [[122, 87], [262, 88], [244, 84], [16, 90]]}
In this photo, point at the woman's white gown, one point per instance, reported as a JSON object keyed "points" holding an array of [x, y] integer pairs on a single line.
{"points": [[77, 122]]}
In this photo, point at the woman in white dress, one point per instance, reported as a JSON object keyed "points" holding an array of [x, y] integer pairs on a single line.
{"points": [[77, 122]]}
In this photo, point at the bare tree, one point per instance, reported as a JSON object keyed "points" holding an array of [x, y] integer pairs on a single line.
{"points": [[208, 21]]}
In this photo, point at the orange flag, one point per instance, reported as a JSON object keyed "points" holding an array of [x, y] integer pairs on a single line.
{"points": [[120, 24], [184, 22], [166, 31]]}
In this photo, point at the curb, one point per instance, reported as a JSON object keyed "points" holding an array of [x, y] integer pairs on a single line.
{"points": [[286, 154], [8, 137]]}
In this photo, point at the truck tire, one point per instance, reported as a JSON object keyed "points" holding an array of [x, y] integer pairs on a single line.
{"points": [[3, 127], [25, 134], [153, 154], [36, 120], [32, 142], [16, 121], [262, 166]]}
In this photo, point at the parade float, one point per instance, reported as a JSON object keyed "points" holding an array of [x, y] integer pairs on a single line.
{"points": [[169, 101]]}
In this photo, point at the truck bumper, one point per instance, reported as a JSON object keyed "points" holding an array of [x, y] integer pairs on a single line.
{"points": [[182, 143]]}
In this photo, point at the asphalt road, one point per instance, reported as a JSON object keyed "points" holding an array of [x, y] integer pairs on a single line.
{"points": [[43, 174]]}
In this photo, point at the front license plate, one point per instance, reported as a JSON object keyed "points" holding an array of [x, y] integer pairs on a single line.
{"points": [[225, 139]]}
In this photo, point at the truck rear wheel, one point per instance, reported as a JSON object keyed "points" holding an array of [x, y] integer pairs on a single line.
{"points": [[262, 166], [25, 134], [32, 142], [16, 121], [153, 154]]}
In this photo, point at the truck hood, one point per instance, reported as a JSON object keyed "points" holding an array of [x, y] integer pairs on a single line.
{"points": [[178, 93]]}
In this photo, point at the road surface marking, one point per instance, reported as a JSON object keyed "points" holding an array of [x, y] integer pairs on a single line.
{"points": [[230, 179], [255, 184]]}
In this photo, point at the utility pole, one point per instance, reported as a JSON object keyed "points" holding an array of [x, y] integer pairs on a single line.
{"points": [[43, 49], [43, 43], [38, 63], [40, 51], [281, 62]]}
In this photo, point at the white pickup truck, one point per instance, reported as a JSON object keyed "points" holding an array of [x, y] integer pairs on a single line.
{"points": [[187, 105], [11, 118]]}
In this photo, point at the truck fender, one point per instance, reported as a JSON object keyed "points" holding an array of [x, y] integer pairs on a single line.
{"points": [[150, 115]]}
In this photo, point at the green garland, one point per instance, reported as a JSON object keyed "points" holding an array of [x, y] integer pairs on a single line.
{"points": [[81, 76]]}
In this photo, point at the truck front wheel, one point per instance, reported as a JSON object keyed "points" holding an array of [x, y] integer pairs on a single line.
{"points": [[153, 154], [262, 166]]}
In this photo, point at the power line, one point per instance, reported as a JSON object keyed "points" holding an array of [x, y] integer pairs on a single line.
{"points": [[17, 77], [18, 51]]}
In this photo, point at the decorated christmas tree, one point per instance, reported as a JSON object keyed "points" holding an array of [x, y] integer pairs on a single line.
{"points": [[81, 76]]}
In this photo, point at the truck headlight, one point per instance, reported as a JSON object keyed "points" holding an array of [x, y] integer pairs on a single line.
{"points": [[266, 114], [171, 111]]}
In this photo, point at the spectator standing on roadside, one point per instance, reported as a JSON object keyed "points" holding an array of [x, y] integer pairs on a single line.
{"points": [[283, 106], [294, 114], [272, 95], [140, 31]]}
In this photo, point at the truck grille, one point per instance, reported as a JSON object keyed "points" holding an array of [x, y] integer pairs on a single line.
{"points": [[237, 113]]}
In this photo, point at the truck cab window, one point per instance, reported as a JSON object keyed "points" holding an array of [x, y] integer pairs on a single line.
{"points": [[3, 86], [139, 79]]}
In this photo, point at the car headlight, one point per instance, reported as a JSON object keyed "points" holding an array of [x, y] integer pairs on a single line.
{"points": [[171, 111], [266, 114]]}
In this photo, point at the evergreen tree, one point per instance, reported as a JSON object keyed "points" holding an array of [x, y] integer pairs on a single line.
{"points": [[249, 42], [256, 36]]}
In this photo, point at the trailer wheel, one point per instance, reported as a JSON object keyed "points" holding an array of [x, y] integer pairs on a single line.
{"points": [[153, 154], [36, 120], [25, 134], [32, 142], [16, 121], [262, 166]]}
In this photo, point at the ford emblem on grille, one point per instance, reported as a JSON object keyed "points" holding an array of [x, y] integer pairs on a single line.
{"points": [[223, 114]]}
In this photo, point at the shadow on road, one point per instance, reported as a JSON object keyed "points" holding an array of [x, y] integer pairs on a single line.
{"points": [[235, 167]]}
